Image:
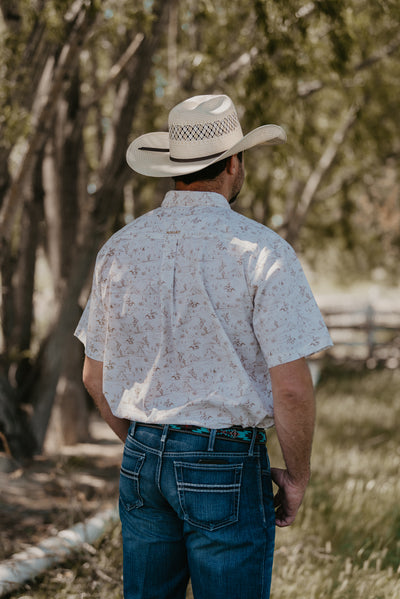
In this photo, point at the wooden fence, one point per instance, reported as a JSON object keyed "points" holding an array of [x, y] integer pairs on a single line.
{"points": [[368, 333]]}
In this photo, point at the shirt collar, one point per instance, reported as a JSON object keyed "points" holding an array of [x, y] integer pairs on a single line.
{"points": [[191, 199]]}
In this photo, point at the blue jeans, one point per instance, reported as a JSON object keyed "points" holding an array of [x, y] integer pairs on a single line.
{"points": [[195, 507]]}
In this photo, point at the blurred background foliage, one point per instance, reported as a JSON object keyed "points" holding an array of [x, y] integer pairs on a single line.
{"points": [[81, 78]]}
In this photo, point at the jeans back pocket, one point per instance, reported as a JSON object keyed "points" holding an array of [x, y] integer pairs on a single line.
{"points": [[209, 493], [129, 487]]}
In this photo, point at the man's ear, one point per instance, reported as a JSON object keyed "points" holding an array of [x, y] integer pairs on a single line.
{"points": [[231, 164]]}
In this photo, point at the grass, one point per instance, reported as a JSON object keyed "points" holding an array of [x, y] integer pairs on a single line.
{"points": [[346, 540], [345, 543]]}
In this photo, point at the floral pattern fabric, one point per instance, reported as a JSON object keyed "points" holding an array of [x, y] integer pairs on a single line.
{"points": [[191, 304]]}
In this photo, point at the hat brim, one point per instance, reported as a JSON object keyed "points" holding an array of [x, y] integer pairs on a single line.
{"points": [[155, 161]]}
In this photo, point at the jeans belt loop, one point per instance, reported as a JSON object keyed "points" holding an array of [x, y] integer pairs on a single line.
{"points": [[253, 441], [211, 439], [164, 437]]}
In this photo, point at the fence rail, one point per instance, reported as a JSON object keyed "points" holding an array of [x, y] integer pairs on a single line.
{"points": [[366, 333]]}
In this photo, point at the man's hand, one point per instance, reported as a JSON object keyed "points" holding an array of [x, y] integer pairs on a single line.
{"points": [[288, 498]]}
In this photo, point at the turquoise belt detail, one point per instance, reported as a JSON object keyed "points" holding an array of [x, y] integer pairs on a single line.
{"points": [[233, 433]]}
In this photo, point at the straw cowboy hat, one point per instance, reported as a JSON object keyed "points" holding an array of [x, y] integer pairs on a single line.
{"points": [[201, 130]]}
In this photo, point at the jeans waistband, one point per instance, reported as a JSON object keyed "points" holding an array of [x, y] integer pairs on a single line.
{"points": [[233, 433]]}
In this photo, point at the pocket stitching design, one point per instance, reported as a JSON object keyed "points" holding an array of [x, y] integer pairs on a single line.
{"points": [[232, 488], [133, 475]]}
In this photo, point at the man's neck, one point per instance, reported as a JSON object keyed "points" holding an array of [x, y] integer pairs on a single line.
{"points": [[210, 186]]}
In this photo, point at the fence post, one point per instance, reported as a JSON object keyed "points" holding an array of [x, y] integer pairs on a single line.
{"points": [[370, 326]]}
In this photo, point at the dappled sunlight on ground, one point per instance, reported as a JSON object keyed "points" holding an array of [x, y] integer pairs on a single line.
{"points": [[49, 493]]}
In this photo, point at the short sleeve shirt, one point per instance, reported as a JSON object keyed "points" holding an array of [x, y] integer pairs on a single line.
{"points": [[191, 305]]}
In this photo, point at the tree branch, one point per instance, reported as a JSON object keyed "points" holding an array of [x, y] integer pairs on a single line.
{"points": [[116, 71], [128, 97], [384, 52], [315, 178], [307, 88], [42, 120]]}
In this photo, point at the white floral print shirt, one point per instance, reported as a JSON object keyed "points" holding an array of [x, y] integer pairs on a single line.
{"points": [[191, 304]]}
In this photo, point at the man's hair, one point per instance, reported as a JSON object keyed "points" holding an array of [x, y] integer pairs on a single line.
{"points": [[206, 174]]}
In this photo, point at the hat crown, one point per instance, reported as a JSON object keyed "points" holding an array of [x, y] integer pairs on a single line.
{"points": [[202, 126]]}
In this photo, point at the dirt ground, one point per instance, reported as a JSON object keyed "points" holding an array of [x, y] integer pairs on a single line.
{"points": [[50, 493]]}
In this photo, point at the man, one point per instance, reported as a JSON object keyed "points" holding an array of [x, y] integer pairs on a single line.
{"points": [[196, 335]]}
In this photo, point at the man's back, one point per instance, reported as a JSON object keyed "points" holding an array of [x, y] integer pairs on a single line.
{"points": [[190, 297]]}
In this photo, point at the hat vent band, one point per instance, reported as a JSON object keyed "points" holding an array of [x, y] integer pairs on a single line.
{"points": [[200, 131], [196, 159], [181, 159], [146, 149]]}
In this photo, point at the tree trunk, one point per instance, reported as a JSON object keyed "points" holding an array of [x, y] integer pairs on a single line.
{"points": [[55, 353], [43, 112], [69, 421], [18, 276], [82, 224], [16, 438]]}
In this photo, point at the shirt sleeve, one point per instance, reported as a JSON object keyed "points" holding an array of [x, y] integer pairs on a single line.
{"points": [[287, 321], [91, 329]]}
